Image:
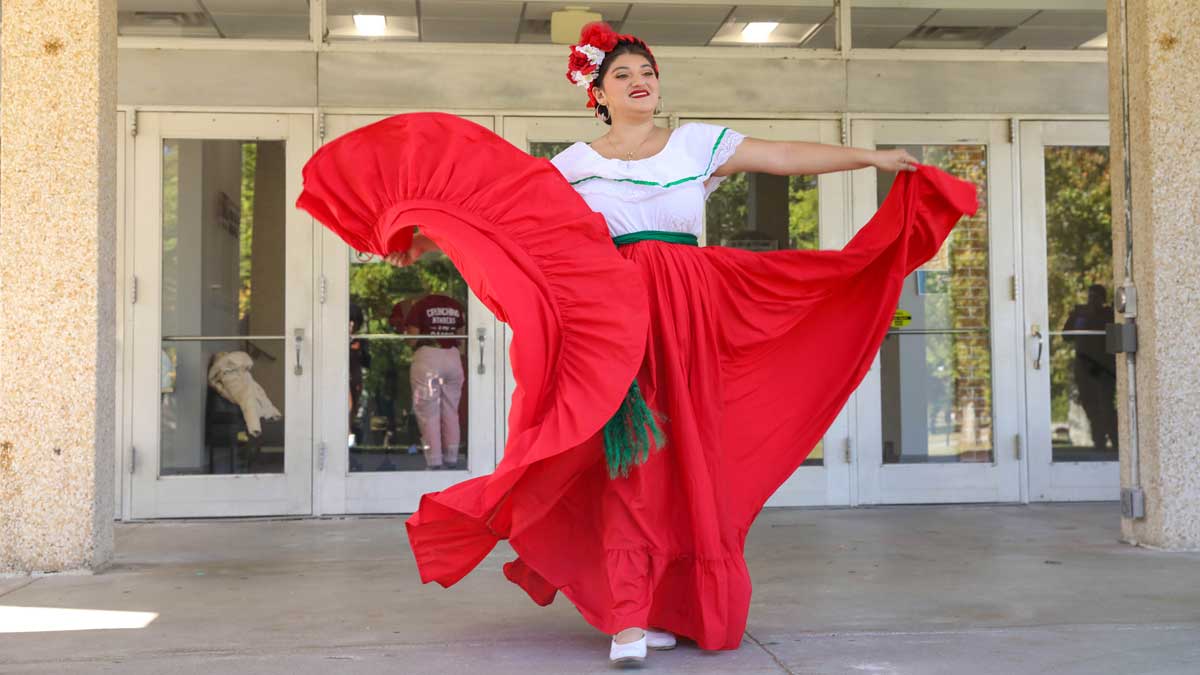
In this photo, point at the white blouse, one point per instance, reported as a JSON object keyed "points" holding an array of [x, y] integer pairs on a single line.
{"points": [[664, 192]]}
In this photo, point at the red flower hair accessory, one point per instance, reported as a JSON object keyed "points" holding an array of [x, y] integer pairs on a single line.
{"points": [[596, 40]]}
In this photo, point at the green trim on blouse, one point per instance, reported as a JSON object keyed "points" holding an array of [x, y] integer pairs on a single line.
{"points": [[655, 235], [711, 157]]}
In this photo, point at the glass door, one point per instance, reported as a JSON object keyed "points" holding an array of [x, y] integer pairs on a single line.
{"points": [[408, 376], [759, 212], [938, 413], [222, 317], [1066, 214]]}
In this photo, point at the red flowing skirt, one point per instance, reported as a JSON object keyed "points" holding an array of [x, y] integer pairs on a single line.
{"points": [[747, 357]]}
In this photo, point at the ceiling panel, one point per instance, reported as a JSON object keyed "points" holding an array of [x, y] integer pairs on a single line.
{"points": [[1033, 37], [1096, 20], [400, 18], [263, 27], [782, 14], [668, 14], [467, 30], [824, 38], [888, 18], [157, 6], [258, 7], [976, 17], [535, 28], [380, 7], [398, 28], [673, 34], [678, 25], [267, 19], [786, 34], [878, 37], [611, 11], [471, 11]]}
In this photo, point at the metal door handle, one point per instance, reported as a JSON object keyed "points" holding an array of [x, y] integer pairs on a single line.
{"points": [[1041, 346], [299, 369], [481, 333]]}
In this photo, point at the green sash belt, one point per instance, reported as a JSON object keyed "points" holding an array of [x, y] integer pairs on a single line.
{"points": [[654, 235]]}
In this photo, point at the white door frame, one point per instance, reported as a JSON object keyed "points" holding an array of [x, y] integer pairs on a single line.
{"points": [[124, 315], [1050, 480], [999, 481], [824, 485], [338, 490], [155, 496]]}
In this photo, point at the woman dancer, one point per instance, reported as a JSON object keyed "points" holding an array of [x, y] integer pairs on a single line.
{"points": [[665, 390]]}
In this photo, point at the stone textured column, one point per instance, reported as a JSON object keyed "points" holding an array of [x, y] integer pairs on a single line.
{"points": [[57, 283], [1164, 116]]}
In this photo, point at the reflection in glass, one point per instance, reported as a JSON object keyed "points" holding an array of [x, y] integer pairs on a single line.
{"points": [[407, 357], [761, 212], [223, 360], [987, 24], [546, 149], [935, 372], [1083, 410]]}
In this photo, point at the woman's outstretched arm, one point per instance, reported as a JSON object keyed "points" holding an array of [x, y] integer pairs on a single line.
{"points": [[797, 158]]}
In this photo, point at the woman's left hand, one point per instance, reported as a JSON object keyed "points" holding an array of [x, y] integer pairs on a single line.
{"points": [[893, 160]]}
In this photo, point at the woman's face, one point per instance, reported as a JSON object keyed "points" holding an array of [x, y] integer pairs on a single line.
{"points": [[629, 87]]}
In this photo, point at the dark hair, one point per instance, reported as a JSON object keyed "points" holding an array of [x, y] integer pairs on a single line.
{"points": [[623, 47]]}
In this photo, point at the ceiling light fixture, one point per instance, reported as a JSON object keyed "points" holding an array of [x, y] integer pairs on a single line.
{"points": [[372, 25], [566, 24], [758, 31]]}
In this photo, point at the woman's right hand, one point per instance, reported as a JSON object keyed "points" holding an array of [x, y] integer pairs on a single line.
{"points": [[402, 258], [419, 247]]}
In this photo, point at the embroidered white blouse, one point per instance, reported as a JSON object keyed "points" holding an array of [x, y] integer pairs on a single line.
{"points": [[664, 192]]}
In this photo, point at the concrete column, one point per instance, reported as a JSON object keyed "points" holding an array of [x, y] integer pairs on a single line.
{"points": [[57, 283], [1163, 59]]}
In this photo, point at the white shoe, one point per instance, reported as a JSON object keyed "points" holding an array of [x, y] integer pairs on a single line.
{"points": [[628, 655], [660, 640]]}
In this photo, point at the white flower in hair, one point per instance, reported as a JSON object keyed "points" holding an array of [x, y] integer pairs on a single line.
{"points": [[582, 80], [594, 54]]}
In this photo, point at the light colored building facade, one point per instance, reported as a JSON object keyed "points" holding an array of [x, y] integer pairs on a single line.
{"points": [[993, 386]]}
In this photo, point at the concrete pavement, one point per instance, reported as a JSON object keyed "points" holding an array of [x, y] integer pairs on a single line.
{"points": [[946, 589]]}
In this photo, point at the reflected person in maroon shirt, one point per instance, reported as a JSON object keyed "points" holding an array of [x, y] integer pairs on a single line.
{"points": [[437, 377]]}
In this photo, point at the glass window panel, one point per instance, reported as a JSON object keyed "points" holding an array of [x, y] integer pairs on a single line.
{"points": [[762, 212], [1083, 411], [261, 19], [935, 372], [224, 360], [408, 361], [989, 24]]}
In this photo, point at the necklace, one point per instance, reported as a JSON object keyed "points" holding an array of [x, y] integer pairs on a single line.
{"points": [[629, 155]]}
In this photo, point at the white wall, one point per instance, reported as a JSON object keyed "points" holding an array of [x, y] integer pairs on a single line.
{"points": [[476, 81]]}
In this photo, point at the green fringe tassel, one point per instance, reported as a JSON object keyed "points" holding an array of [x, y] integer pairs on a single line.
{"points": [[628, 434]]}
